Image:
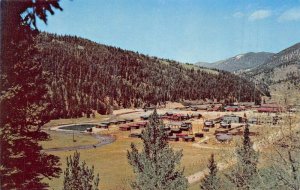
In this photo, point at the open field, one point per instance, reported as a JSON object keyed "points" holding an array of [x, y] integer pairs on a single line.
{"points": [[59, 140], [110, 161]]}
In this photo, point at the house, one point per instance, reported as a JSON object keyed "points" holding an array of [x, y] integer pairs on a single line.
{"points": [[269, 108], [209, 123], [232, 108], [232, 119], [124, 128], [144, 117], [223, 137]]}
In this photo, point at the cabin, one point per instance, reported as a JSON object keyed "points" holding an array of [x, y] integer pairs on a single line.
{"points": [[106, 123], [128, 120], [142, 123], [199, 135], [186, 126], [135, 135], [232, 119], [174, 124], [120, 121], [144, 117], [181, 135], [176, 131], [225, 125], [253, 120], [124, 128], [102, 125], [205, 129], [194, 109], [233, 108], [113, 122], [209, 123], [223, 137], [217, 108], [173, 138], [134, 126], [189, 138], [269, 108]]}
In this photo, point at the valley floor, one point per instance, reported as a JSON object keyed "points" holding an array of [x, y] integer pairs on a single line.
{"points": [[110, 161]]}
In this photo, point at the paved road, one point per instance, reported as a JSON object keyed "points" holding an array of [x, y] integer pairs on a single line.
{"points": [[103, 140]]}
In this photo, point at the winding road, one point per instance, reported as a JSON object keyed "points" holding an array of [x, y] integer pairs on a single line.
{"points": [[103, 140]]}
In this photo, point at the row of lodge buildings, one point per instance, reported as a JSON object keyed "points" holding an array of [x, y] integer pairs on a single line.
{"points": [[236, 107], [270, 108]]}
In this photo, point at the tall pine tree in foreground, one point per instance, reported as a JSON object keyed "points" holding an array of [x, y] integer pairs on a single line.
{"points": [[156, 166], [244, 174], [211, 181], [78, 176], [23, 165]]}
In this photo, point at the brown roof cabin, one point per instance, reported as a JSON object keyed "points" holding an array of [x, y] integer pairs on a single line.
{"points": [[128, 120], [205, 129], [181, 135], [134, 126], [142, 123], [114, 122], [200, 135], [121, 121], [135, 135], [102, 125], [144, 117], [124, 127], [173, 138], [189, 138], [270, 108]]}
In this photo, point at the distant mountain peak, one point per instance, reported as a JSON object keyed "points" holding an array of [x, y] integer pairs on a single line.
{"points": [[239, 56], [240, 62]]}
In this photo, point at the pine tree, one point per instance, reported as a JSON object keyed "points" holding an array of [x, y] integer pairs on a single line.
{"points": [[211, 181], [155, 166], [78, 176], [244, 175], [22, 100]]}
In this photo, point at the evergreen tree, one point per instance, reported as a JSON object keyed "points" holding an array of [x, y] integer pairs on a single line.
{"points": [[211, 181], [22, 100], [155, 166], [78, 176], [244, 175]]}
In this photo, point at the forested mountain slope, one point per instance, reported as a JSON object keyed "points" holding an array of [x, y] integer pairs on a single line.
{"points": [[283, 67], [84, 75]]}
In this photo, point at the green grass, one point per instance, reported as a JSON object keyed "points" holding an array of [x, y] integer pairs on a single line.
{"points": [[111, 162], [59, 140]]}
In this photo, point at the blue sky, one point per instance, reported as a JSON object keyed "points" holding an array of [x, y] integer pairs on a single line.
{"points": [[183, 30]]}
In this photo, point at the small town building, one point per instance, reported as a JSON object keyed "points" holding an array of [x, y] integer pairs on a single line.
{"points": [[270, 108], [233, 108], [223, 137], [209, 123], [232, 119]]}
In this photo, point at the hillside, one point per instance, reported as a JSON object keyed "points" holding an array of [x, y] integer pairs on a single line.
{"points": [[84, 75], [279, 68], [240, 62], [280, 73]]}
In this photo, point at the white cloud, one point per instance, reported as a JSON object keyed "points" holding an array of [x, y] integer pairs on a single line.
{"points": [[290, 15], [260, 14], [238, 15]]}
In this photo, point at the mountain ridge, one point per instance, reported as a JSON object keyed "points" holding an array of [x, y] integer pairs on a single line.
{"points": [[85, 75], [239, 62]]}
